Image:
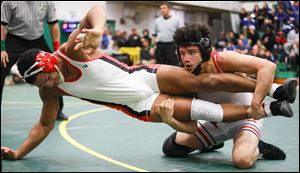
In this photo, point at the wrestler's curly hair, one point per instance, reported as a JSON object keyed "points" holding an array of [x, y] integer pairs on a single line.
{"points": [[26, 60], [194, 34]]}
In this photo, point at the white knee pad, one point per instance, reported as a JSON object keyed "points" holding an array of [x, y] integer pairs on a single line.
{"points": [[203, 110]]}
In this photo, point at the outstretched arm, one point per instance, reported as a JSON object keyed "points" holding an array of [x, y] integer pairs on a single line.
{"points": [[39, 132]]}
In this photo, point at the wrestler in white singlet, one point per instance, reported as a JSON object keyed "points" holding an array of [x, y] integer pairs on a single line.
{"points": [[132, 90]]}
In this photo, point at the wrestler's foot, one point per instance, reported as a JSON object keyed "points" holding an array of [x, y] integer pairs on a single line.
{"points": [[287, 91], [61, 117], [270, 152], [281, 108], [172, 149]]}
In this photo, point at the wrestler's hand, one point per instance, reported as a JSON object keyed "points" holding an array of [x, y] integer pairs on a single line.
{"points": [[256, 112], [8, 153], [166, 110], [4, 59], [89, 40]]}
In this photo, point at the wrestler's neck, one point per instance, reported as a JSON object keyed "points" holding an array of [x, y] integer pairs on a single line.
{"points": [[67, 70], [208, 67]]}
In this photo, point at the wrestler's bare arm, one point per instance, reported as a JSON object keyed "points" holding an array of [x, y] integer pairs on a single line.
{"points": [[40, 130], [263, 69]]}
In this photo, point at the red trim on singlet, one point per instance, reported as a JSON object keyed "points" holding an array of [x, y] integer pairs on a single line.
{"points": [[151, 66], [252, 128], [116, 61], [214, 57], [120, 108], [204, 136], [88, 60], [78, 69]]}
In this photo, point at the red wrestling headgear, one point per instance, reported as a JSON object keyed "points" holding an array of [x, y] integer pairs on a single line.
{"points": [[45, 62]]}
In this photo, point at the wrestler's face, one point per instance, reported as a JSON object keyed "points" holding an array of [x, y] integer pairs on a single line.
{"points": [[190, 57], [47, 79]]}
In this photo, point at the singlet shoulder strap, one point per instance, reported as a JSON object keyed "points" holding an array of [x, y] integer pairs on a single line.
{"points": [[214, 57], [67, 59]]}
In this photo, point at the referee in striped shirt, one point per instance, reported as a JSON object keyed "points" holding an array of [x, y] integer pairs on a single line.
{"points": [[165, 27], [22, 28]]}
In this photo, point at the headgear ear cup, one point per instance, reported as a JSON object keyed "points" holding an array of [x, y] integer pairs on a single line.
{"points": [[205, 48], [46, 61]]}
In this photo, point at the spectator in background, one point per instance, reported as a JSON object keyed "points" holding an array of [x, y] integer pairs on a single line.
{"points": [[267, 24], [256, 10], [255, 51], [292, 37], [165, 27], [245, 40], [147, 53], [261, 47], [146, 35], [295, 7], [264, 12], [269, 39], [229, 46], [269, 56], [291, 47], [242, 15], [105, 40], [221, 42], [134, 40], [232, 38], [281, 40], [287, 26], [241, 48], [285, 5], [252, 36], [247, 22], [22, 28], [119, 40], [279, 18]]}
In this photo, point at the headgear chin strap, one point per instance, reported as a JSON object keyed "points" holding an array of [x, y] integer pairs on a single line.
{"points": [[198, 69], [45, 62]]}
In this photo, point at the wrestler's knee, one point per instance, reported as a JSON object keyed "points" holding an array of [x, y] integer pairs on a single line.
{"points": [[242, 161]]}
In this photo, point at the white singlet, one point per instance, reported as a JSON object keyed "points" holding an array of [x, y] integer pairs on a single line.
{"points": [[105, 80]]}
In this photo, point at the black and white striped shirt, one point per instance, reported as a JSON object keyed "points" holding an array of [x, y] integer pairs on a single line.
{"points": [[165, 28], [26, 18]]}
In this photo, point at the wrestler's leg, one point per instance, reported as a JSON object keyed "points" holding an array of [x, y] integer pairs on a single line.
{"points": [[245, 151], [186, 109], [183, 109], [180, 144], [176, 80]]}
